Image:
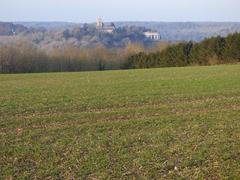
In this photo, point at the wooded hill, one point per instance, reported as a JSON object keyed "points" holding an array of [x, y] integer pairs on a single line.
{"points": [[86, 35], [170, 31]]}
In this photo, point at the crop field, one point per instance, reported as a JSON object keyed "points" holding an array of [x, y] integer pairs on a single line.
{"points": [[132, 124]]}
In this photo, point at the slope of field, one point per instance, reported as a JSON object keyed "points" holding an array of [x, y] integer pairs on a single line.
{"points": [[155, 123]]}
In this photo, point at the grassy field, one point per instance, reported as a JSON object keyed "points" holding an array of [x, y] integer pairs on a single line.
{"points": [[157, 123]]}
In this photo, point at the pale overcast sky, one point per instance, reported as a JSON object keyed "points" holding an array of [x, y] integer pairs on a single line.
{"points": [[119, 10]]}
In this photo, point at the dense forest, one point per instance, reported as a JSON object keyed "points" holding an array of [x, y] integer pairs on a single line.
{"points": [[24, 57], [215, 50]]}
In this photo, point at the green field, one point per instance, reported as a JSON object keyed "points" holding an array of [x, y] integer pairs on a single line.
{"points": [[155, 123]]}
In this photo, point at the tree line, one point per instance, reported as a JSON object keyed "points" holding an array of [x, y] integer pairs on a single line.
{"points": [[24, 57], [211, 51]]}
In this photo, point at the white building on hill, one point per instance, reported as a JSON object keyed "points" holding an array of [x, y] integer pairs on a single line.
{"points": [[155, 36]]}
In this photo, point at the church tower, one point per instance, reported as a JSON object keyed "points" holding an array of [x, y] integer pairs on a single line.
{"points": [[99, 24]]}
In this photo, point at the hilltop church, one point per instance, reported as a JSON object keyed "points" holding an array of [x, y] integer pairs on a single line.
{"points": [[110, 28], [107, 28]]}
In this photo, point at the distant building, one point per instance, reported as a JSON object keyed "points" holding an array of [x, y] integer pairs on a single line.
{"points": [[13, 32], [155, 36], [108, 28]]}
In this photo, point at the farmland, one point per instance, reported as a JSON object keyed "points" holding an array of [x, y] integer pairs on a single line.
{"points": [[152, 123]]}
